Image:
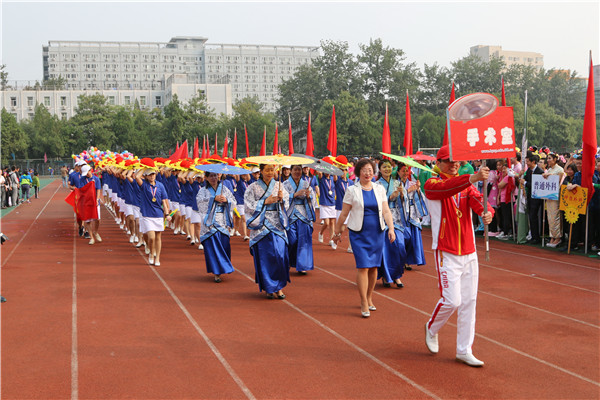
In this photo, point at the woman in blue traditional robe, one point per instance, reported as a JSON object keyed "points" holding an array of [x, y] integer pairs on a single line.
{"points": [[413, 212], [216, 203], [265, 203], [301, 216], [394, 254]]}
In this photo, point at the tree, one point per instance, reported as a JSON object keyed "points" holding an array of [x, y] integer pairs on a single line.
{"points": [[13, 139], [3, 78], [44, 132], [248, 111], [471, 74], [199, 118], [174, 124], [93, 120]]}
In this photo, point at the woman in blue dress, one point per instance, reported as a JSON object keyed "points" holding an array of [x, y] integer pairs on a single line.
{"points": [[265, 203], [414, 209], [394, 254], [216, 202], [301, 216], [366, 207]]}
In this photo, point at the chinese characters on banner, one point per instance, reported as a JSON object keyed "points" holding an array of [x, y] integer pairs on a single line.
{"points": [[573, 202], [483, 138], [547, 189]]}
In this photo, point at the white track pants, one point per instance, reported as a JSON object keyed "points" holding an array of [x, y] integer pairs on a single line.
{"points": [[457, 279]]}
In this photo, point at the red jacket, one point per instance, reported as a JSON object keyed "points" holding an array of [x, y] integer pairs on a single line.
{"points": [[451, 200]]}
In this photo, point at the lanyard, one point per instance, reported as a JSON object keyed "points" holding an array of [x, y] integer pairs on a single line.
{"points": [[153, 191]]}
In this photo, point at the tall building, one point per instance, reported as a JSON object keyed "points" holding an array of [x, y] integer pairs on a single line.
{"points": [[510, 57], [252, 70]]}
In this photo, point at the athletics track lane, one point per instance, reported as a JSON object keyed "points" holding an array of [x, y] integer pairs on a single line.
{"points": [[279, 352]]}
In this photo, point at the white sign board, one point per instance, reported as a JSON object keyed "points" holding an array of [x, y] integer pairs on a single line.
{"points": [[547, 189]]}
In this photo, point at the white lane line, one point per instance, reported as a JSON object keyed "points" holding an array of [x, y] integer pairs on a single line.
{"points": [[523, 304], [209, 342], [28, 229], [571, 264], [74, 358], [356, 347], [505, 346]]}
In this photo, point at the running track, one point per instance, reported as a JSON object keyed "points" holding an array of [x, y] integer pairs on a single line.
{"points": [[97, 322]]}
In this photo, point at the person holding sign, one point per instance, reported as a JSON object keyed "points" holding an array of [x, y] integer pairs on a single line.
{"points": [[452, 198], [552, 205], [533, 205]]}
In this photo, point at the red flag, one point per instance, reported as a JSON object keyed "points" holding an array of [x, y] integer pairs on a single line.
{"points": [[263, 147], [332, 140], [310, 147], [184, 150], [181, 152], [290, 140], [215, 143], [247, 148], [204, 147], [45, 158], [590, 141], [408, 145], [234, 149], [226, 147], [386, 140], [177, 145], [275, 144], [83, 200], [196, 152], [452, 98]]}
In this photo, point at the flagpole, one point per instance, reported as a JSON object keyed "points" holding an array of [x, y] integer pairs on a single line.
{"points": [[486, 238]]}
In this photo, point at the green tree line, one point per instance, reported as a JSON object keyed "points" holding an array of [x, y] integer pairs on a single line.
{"points": [[358, 85]]}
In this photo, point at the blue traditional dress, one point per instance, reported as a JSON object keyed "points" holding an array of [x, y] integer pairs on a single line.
{"points": [[214, 234], [413, 212], [268, 239], [300, 226], [368, 242], [394, 254]]}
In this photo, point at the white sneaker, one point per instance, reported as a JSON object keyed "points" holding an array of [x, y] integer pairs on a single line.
{"points": [[122, 226], [332, 244], [140, 244], [469, 359], [552, 245], [182, 232], [237, 233], [176, 231], [92, 241], [98, 238], [193, 242], [528, 237], [131, 239], [188, 237], [350, 249], [157, 263], [128, 232], [147, 251], [151, 259], [200, 247], [136, 239], [246, 237], [432, 341], [320, 238], [322, 222]]}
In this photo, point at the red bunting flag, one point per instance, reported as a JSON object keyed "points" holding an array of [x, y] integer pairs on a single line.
{"points": [[386, 139], [45, 158], [234, 148], [196, 152], [181, 152], [332, 140], [275, 144], [590, 141], [263, 147], [310, 147], [247, 148], [452, 98], [290, 140], [226, 147], [84, 203], [408, 145]]}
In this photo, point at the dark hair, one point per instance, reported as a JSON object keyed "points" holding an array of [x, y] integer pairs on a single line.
{"points": [[296, 165], [380, 165], [519, 156], [533, 157], [572, 167], [361, 163]]}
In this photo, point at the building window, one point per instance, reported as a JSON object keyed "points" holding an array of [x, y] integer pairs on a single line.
{"points": [[111, 100], [63, 101], [30, 101], [63, 115], [127, 100], [143, 101], [47, 101], [13, 101], [158, 101]]}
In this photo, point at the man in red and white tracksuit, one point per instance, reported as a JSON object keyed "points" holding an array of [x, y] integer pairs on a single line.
{"points": [[452, 199]]}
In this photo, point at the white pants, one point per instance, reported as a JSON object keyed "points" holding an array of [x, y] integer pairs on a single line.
{"points": [[457, 279]]}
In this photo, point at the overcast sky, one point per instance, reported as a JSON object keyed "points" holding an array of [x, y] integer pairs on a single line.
{"points": [[428, 32]]}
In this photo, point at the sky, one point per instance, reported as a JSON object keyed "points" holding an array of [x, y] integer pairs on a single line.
{"points": [[427, 32]]}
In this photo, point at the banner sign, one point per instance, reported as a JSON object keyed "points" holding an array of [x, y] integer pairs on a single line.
{"points": [[573, 202], [542, 188], [480, 129]]}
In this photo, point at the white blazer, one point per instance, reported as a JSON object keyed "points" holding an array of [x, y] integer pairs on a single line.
{"points": [[354, 197]]}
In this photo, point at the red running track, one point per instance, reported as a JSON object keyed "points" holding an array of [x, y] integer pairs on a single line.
{"points": [[97, 322]]}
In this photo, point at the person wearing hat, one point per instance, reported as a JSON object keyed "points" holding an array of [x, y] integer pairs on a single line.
{"points": [[92, 225], [301, 216], [254, 175], [216, 202], [154, 207], [265, 203], [452, 200], [73, 181]]}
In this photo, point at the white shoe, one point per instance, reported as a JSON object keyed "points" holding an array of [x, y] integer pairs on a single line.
{"points": [[193, 242], [131, 239], [246, 237], [188, 237], [332, 244], [157, 263], [98, 238], [350, 250], [552, 245], [322, 222], [128, 232], [237, 233], [320, 238], [176, 231], [122, 226], [200, 247], [432, 341], [136, 239], [151, 259], [140, 244], [182, 232], [92, 241], [365, 314], [147, 251], [528, 237], [469, 359]]}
